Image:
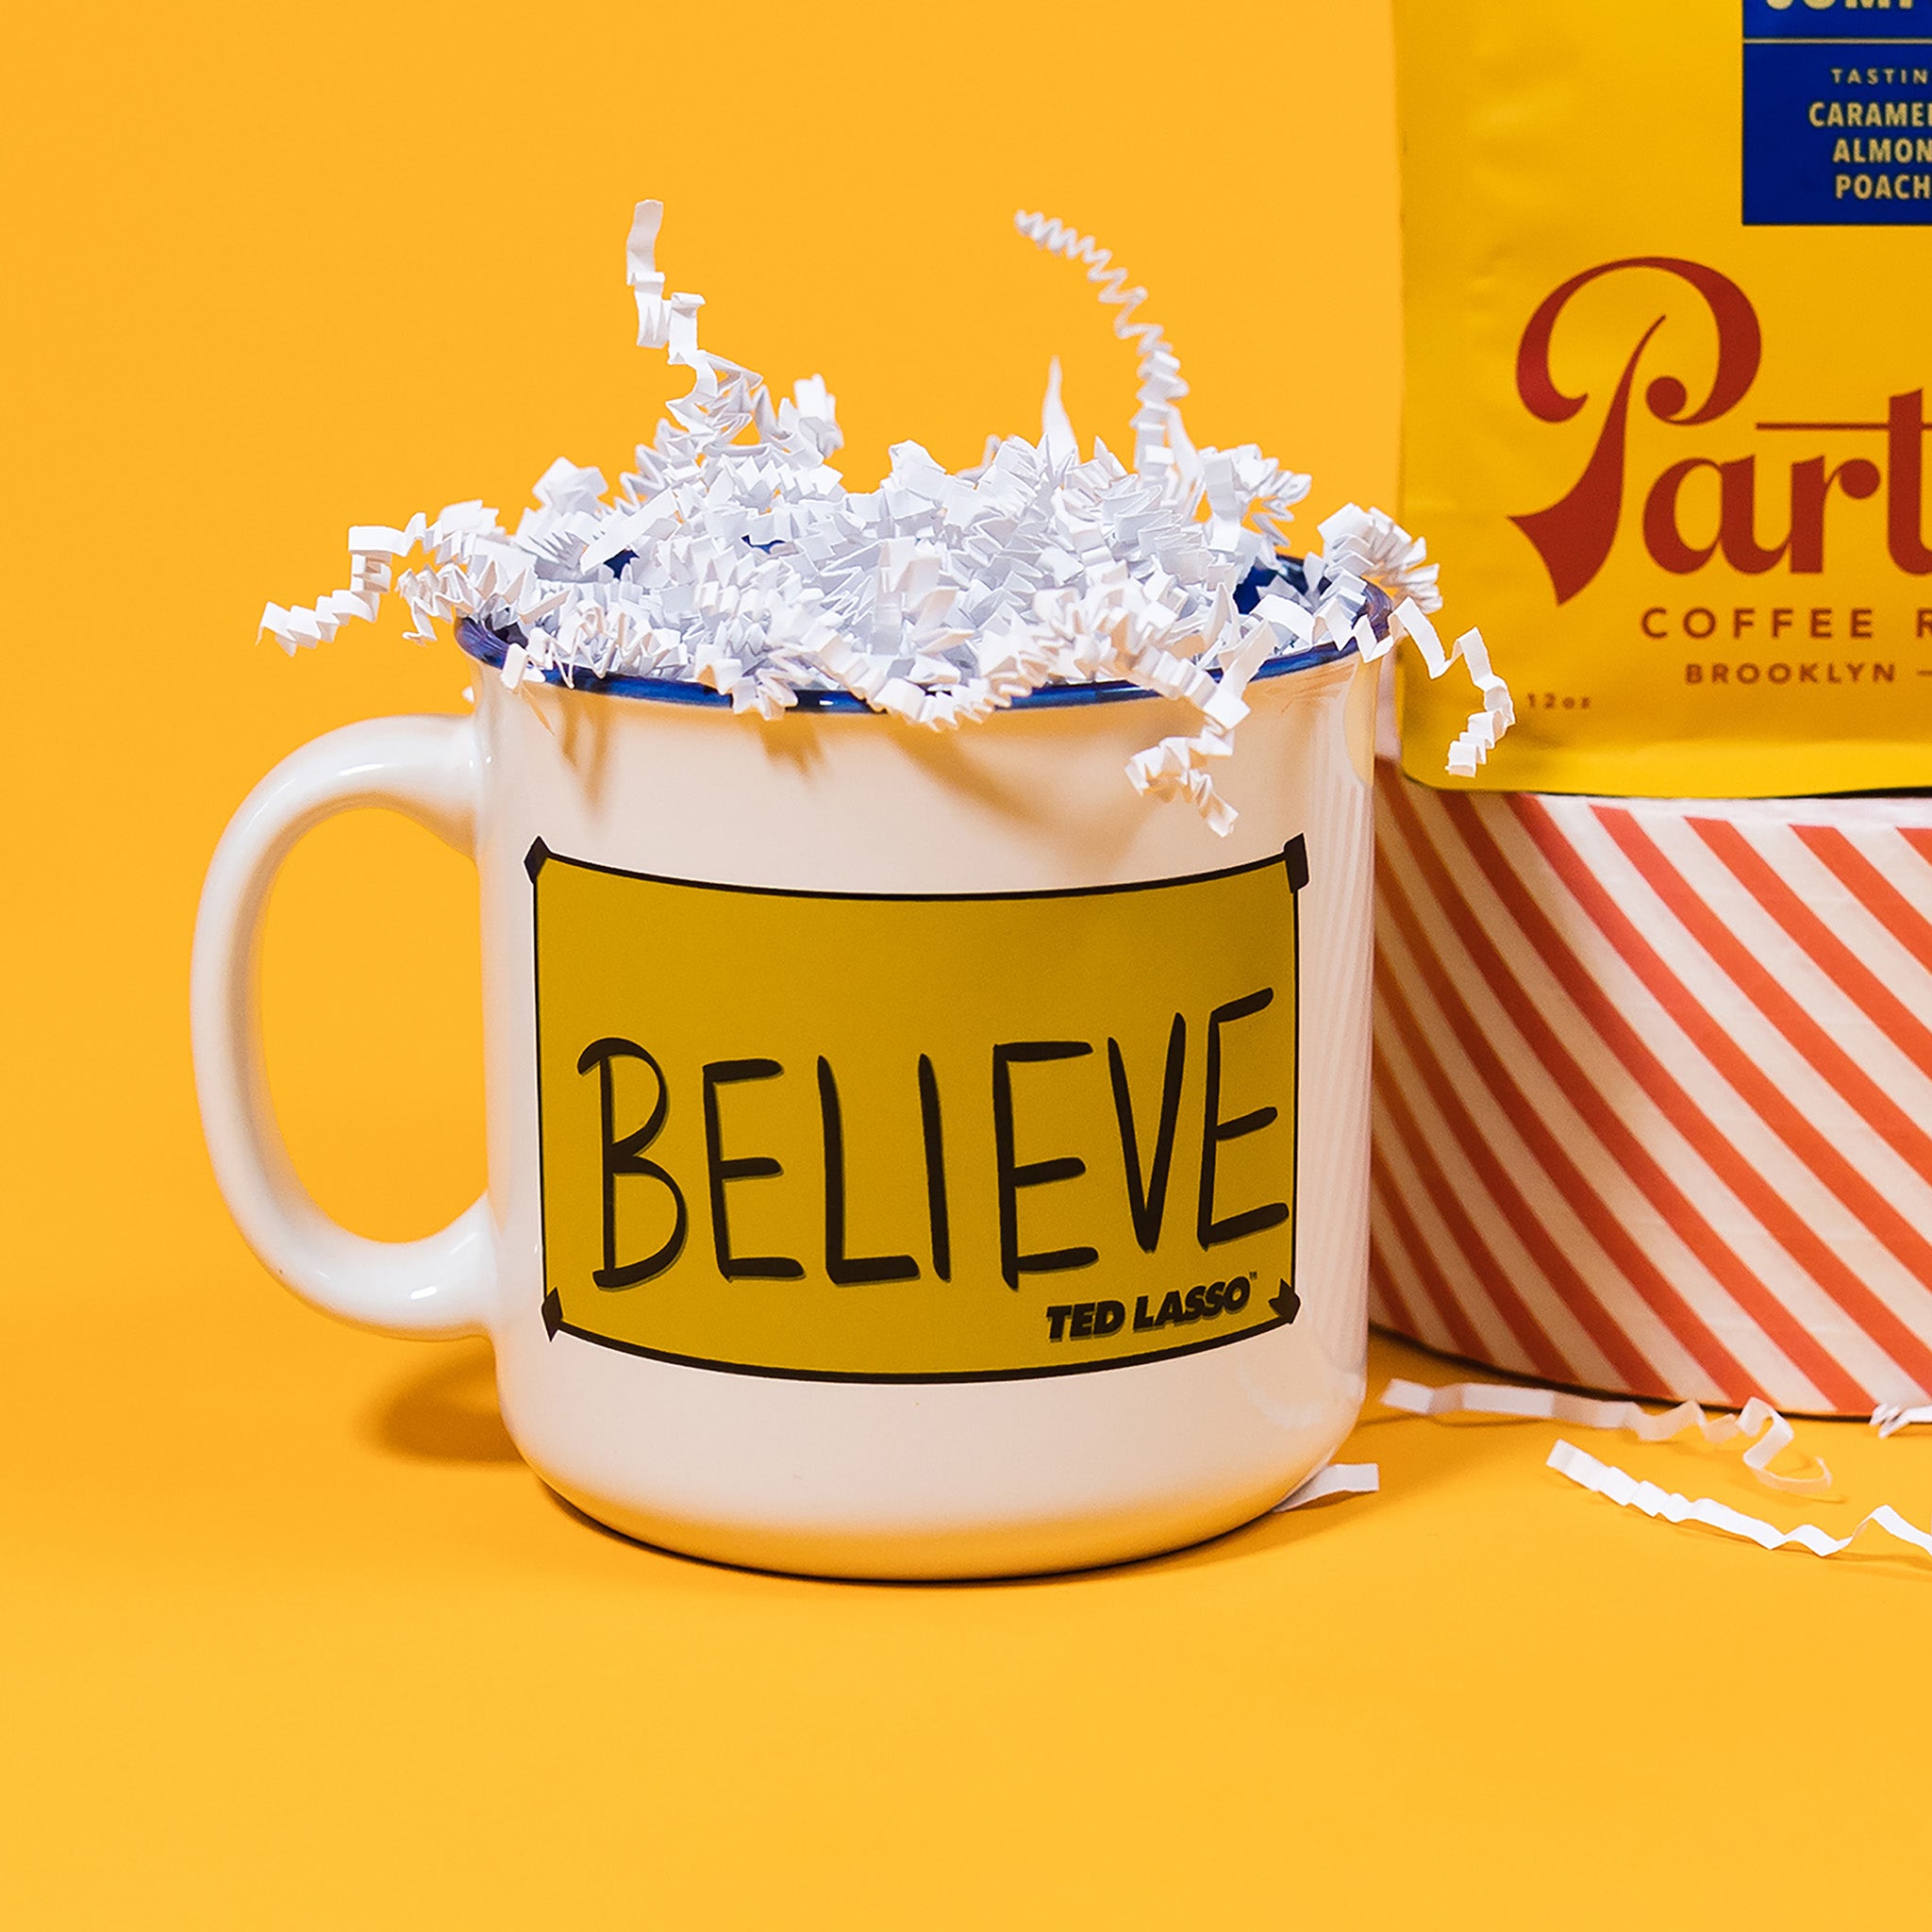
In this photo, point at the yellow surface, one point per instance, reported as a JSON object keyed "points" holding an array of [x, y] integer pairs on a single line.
{"points": [[285, 1633]]}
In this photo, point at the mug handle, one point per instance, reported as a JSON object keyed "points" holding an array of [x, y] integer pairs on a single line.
{"points": [[427, 769]]}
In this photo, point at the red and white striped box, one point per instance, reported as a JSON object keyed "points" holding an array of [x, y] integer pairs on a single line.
{"points": [[1654, 1091]]}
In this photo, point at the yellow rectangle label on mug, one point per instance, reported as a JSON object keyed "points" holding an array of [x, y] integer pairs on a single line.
{"points": [[922, 1137]]}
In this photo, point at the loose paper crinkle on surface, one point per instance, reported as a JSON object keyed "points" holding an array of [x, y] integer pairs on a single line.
{"points": [[733, 556], [1621, 1488], [1330, 1482], [1757, 1419], [1888, 1418], [1769, 1434]]}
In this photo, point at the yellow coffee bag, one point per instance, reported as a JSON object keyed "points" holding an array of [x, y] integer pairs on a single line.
{"points": [[1668, 280]]}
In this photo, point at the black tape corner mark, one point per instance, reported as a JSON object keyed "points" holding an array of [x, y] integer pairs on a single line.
{"points": [[553, 1313], [1294, 859], [534, 857]]}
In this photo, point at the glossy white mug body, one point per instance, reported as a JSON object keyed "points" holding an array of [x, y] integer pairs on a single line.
{"points": [[842, 1478]]}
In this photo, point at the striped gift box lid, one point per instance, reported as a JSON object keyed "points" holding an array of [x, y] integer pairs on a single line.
{"points": [[1654, 1091]]}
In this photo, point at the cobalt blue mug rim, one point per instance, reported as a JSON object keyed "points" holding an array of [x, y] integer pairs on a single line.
{"points": [[488, 647]]}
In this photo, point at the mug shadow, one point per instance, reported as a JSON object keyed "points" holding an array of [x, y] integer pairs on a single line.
{"points": [[1246, 1539], [446, 1412]]}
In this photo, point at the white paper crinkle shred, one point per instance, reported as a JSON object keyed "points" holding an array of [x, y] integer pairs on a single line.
{"points": [[733, 556], [1888, 1418], [1373, 545], [1757, 1419], [1619, 1487], [1333, 1480], [1485, 727], [1768, 1432]]}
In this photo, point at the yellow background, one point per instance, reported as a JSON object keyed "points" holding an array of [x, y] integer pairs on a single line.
{"points": [[285, 1633]]}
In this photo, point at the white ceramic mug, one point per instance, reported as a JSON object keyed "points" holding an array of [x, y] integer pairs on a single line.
{"points": [[910, 1155]]}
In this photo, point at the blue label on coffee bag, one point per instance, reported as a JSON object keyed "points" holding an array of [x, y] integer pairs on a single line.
{"points": [[1838, 112]]}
